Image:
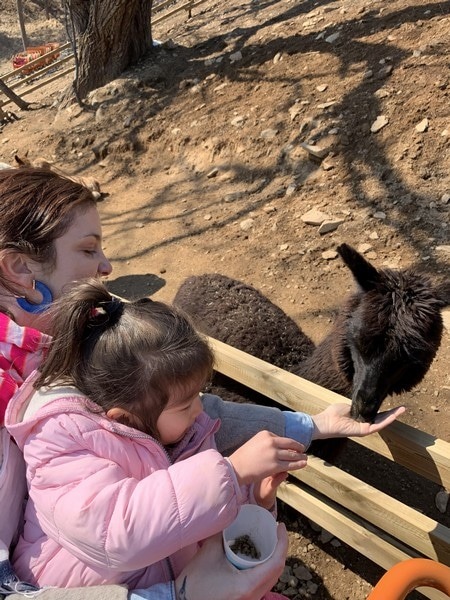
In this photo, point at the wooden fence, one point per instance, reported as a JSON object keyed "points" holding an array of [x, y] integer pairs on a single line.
{"points": [[370, 521], [20, 85]]}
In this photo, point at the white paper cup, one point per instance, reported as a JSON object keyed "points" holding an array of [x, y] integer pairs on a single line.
{"points": [[259, 524]]}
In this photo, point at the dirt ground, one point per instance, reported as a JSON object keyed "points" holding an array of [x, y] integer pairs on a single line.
{"points": [[199, 150]]}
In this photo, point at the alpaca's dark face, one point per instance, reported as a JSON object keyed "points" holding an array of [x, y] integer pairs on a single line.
{"points": [[393, 332]]}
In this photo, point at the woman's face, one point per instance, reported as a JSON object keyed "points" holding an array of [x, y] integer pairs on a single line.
{"points": [[79, 254]]}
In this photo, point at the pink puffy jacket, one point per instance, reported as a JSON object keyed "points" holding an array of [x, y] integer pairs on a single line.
{"points": [[107, 503]]}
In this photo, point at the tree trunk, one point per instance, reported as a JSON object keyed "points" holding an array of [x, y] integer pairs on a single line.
{"points": [[111, 36], [13, 96], [23, 32]]}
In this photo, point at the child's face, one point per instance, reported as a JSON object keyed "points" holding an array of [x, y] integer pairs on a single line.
{"points": [[178, 417]]}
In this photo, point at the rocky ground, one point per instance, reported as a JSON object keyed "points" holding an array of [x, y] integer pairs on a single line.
{"points": [[213, 152]]}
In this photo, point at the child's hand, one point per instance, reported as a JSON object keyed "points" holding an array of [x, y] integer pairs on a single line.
{"points": [[266, 454], [265, 491]]}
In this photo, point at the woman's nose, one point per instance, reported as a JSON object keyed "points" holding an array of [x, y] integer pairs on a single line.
{"points": [[104, 267]]}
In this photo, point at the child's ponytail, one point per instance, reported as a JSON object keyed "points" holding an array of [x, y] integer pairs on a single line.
{"points": [[78, 320]]}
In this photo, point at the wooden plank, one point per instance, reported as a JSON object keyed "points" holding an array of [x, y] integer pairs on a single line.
{"points": [[425, 535], [418, 451], [156, 8], [35, 74], [186, 6], [374, 544], [42, 83]]}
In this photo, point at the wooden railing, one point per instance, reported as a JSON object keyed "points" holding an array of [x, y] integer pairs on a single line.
{"points": [[372, 522]]}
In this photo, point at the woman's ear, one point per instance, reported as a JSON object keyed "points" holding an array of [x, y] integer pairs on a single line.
{"points": [[15, 269]]}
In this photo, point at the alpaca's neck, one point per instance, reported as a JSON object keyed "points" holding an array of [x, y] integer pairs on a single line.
{"points": [[330, 364]]}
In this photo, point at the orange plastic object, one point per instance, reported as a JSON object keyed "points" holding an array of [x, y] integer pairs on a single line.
{"points": [[405, 576], [23, 58]]}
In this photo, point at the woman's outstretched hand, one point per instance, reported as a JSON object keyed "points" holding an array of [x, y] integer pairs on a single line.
{"points": [[266, 454], [335, 421], [209, 575]]}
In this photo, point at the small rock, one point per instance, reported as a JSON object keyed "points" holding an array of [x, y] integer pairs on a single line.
{"points": [[278, 56], [445, 198], [284, 247], [327, 166], [363, 248], [325, 536], [385, 71], [329, 254], [332, 38], [268, 134], [291, 188], [286, 574], [380, 122], [329, 225], [314, 217], [302, 573], [233, 196], [373, 235], [441, 500], [322, 87], [237, 121], [295, 110], [312, 588], [379, 215], [443, 248], [247, 224], [212, 173], [314, 150], [208, 217], [236, 56], [325, 105], [422, 126]]}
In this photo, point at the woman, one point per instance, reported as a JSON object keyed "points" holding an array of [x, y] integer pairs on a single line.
{"points": [[50, 235]]}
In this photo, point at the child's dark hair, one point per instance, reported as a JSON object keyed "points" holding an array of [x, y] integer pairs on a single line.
{"points": [[130, 355]]}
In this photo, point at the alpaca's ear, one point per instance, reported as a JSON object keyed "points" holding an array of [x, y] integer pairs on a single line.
{"points": [[365, 274], [442, 292]]}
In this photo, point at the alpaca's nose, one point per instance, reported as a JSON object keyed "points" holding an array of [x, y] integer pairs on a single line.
{"points": [[365, 405]]}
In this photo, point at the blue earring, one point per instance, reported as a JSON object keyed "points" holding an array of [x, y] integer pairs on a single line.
{"points": [[47, 299]]}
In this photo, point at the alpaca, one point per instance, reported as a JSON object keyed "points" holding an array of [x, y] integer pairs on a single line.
{"points": [[89, 182], [383, 341]]}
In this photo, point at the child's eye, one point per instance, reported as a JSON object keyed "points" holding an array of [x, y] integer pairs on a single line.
{"points": [[90, 252]]}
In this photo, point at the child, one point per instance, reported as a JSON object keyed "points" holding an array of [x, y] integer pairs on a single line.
{"points": [[124, 478]]}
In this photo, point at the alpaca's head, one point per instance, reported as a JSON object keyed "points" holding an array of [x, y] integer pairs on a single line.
{"points": [[393, 330]]}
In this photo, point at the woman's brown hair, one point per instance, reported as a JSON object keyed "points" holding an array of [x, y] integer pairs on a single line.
{"points": [[130, 355], [37, 206]]}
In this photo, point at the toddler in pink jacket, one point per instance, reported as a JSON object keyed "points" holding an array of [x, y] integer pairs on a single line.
{"points": [[124, 476]]}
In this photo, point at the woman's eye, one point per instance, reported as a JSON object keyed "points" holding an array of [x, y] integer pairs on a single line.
{"points": [[90, 252]]}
